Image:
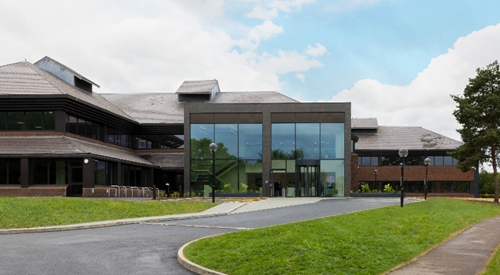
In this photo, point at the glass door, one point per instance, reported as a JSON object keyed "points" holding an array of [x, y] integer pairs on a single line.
{"points": [[307, 179]]}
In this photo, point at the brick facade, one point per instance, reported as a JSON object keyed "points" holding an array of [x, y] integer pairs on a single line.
{"points": [[33, 191], [411, 173]]}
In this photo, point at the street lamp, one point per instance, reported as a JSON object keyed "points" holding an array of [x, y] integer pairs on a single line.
{"points": [[375, 172], [427, 161], [168, 189], [213, 148], [403, 153]]}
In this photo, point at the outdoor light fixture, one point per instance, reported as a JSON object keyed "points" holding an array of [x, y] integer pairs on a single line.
{"points": [[213, 148], [403, 153], [375, 172], [168, 189], [86, 161], [427, 161]]}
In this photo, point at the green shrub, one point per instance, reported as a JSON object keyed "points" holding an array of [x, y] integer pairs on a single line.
{"points": [[365, 188], [388, 189], [227, 187]]}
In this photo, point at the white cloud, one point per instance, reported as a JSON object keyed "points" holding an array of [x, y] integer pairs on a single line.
{"points": [[341, 5], [318, 51], [288, 6], [147, 46], [265, 31], [260, 13], [267, 10], [426, 100], [301, 77]]}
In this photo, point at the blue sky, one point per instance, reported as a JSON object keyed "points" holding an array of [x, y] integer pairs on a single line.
{"points": [[397, 60]]}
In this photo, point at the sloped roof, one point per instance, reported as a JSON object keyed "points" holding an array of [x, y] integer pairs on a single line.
{"points": [[69, 69], [164, 107], [64, 146], [165, 160], [364, 123], [197, 87], [411, 138], [24, 78]]}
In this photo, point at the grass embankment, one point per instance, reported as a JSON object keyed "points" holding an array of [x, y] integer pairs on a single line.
{"points": [[368, 242], [34, 212]]}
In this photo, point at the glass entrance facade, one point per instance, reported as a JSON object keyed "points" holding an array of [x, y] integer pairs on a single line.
{"points": [[238, 159], [309, 158]]}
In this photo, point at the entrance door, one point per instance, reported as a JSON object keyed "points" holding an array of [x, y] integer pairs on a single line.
{"points": [[75, 187], [277, 174], [307, 181]]}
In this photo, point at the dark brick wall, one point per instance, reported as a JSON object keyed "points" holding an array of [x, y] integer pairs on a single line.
{"points": [[33, 191], [411, 173]]}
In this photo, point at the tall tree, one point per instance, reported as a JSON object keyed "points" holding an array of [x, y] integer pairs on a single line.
{"points": [[478, 110]]}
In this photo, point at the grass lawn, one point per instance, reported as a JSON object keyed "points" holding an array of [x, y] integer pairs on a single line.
{"points": [[368, 242], [493, 267], [34, 212]]}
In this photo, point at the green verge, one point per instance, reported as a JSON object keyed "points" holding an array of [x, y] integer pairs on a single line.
{"points": [[368, 242], [34, 212], [493, 267]]}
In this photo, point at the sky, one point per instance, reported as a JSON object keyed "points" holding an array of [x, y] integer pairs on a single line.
{"points": [[397, 60]]}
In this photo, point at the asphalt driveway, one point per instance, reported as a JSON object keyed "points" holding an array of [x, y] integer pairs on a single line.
{"points": [[147, 248]]}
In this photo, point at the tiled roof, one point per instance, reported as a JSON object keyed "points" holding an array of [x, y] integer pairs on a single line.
{"points": [[411, 138], [197, 87], [164, 108], [64, 146], [24, 78], [364, 123], [166, 160]]}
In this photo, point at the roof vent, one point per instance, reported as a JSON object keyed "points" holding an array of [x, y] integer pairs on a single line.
{"points": [[66, 74], [199, 90]]}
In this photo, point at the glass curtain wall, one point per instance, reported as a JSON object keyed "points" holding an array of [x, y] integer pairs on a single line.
{"points": [[309, 141], [238, 159], [103, 173]]}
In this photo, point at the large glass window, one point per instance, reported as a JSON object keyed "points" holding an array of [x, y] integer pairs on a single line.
{"points": [[250, 141], [201, 137], [283, 140], [50, 171], [307, 136], [332, 178], [103, 173], [49, 120], [15, 121], [226, 137], [3, 121], [332, 141], [250, 175], [34, 120], [10, 171], [86, 128]]}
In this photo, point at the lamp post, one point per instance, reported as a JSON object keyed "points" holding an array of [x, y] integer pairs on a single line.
{"points": [[375, 172], [213, 148], [403, 153], [168, 189], [427, 161]]}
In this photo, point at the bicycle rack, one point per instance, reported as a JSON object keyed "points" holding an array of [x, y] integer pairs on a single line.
{"points": [[117, 190], [125, 189], [144, 189], [132, 190]]}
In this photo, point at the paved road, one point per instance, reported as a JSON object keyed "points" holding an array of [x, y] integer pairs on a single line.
{"points": [[146, 248]]}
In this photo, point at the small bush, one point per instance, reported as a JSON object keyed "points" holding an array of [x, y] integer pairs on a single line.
{"points": [[388, 188], [365, 188], [227, 187]]}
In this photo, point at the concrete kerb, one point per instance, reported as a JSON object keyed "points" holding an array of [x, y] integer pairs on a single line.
{"points": [[116, 222], [198, 269]]}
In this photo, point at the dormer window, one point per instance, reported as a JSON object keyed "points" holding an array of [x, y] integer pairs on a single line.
{"points": [[82, 84]]}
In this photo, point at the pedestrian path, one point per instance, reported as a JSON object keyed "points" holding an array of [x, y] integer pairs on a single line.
{"points": [[464, 254], [272, 203]]}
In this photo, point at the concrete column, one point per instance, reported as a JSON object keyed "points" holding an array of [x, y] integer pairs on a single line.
{"points": [[266, 152], [88, 173]]}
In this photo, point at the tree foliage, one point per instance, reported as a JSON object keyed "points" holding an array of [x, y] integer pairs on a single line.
{"points": [[478, 111], [486, 182]]}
